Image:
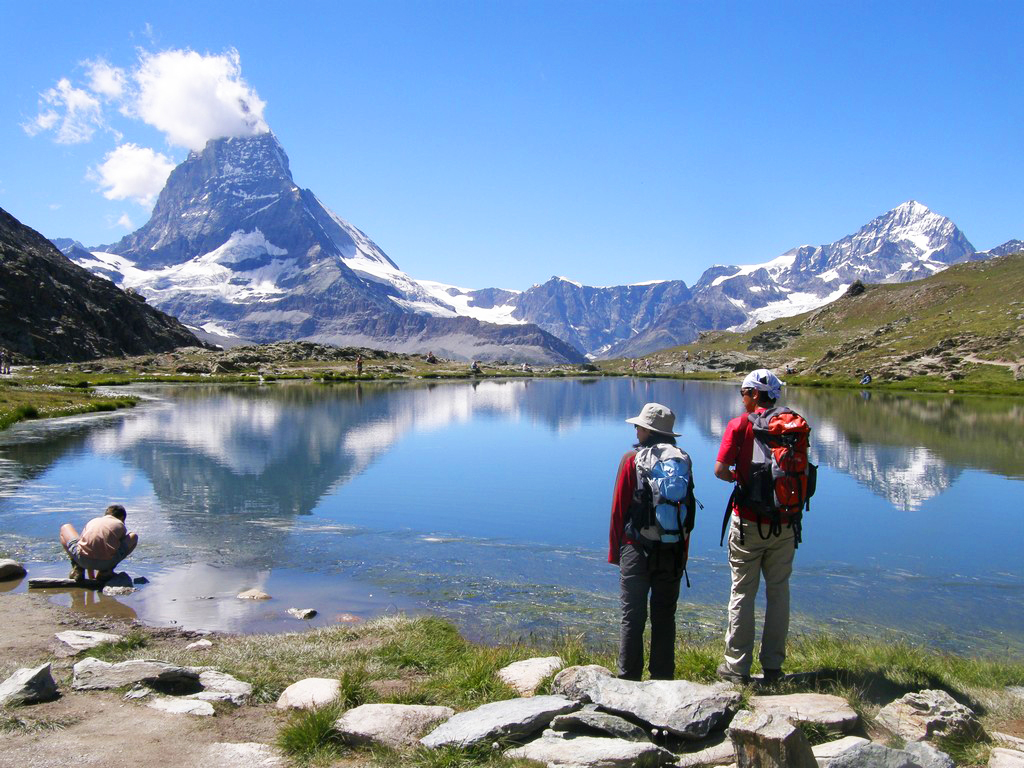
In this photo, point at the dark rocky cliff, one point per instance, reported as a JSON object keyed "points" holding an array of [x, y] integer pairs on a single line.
{"points": [[52, 310]]}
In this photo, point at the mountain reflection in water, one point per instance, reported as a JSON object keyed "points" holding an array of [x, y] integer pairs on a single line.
{"points": [[477, 499]]}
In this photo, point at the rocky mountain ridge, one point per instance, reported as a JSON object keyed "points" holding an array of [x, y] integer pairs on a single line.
{"points": [[53, 310]]}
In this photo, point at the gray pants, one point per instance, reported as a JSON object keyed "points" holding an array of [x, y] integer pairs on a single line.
{"points": [[772, 557], [640, 576]]}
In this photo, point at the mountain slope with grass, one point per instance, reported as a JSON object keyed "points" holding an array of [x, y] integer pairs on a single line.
{"points": [[964, 323]]}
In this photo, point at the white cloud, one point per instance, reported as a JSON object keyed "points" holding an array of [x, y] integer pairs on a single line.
{"points": [[106, 80], [125, 222], [81, 114], [133, 172], [193, 98]]}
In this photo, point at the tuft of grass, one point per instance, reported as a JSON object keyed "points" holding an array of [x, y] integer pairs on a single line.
{"points": [[966, 749], [120, 649], [479, 756], [310, 738], [816, 733], [354, 687], [10, 723]]}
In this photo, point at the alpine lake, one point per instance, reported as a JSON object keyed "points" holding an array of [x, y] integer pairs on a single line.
{"points": [[487, 502]]}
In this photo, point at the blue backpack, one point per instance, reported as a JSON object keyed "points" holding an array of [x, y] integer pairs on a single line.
{"points": [[663, 508]]}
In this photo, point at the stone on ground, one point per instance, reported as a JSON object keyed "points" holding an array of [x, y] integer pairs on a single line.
{"points": [[590, 722], [80, 640], [823, 753], [93, 674], [766, 740], [245, 755], [1016, 690], [689, 710], [526, 676], [927, 714], [28, 686], [1001, 757], [590, 752], [717, 750], [181, 706], [309, 693], [220, 686], [1013, 742], [199, 645], [832, 712], [499, 719], [929, 756], [872, 755], [390, 725], [11, 569]]}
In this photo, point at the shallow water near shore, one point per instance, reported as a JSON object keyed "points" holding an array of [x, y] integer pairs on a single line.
{"points": [[487, 502]]}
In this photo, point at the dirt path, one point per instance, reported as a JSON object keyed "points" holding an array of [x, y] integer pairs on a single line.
{"points": [[99, 729]]}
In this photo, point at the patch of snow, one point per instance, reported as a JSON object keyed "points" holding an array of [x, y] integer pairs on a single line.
{"points": [[796, 303], [567, 280], [775, 267], [220, 330], [459, 298]]}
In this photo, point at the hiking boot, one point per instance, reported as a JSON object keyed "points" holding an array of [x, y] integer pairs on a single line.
{"points": [[771, 675], [76, 572], [104, 575], [726, 674]]}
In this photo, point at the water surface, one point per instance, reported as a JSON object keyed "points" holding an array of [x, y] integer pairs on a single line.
{"points": [[488, 502]]}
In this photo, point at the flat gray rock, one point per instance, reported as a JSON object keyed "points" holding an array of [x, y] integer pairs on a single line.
{"points": [[717, 750], [93, 674], [512, 718], [243, 755], [1000, 757], [28, 685], [115, 591], [873, 755], [832, 712], [1005, 739], [220, 686], [591, 752], [11, 569], [929, 756], [81, 640], [824, 753], [927, 714], [390, 725], [526, 676], [199, 645], [767, 740], [181, 706], [689, 710], [589, 722], [309, 693], [253, 594]]}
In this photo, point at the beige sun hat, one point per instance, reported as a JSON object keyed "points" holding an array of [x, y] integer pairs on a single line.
{"points": [[657, 418]]}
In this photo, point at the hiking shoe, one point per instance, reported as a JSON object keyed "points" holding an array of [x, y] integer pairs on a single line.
{"points": [[104, 575], [76, 572], [771, 675], [726, 674]]}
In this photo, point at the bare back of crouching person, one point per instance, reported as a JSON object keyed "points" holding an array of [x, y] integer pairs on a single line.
{"points": [[103, 543]]}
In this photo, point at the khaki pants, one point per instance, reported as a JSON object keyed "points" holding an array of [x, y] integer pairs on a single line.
{"points": [[747, 561]]}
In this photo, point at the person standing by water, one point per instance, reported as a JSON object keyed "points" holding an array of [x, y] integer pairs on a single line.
{"points": [[103, 543], [750, 553], [647, 569]]}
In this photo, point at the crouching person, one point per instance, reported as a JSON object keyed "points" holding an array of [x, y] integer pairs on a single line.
{"points": [[103, 544]]}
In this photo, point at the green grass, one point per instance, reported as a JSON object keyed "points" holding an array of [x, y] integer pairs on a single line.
{"points": [[117, 650], [309, 736], [12, 723]]}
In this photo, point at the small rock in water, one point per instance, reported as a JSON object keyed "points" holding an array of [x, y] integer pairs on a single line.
{"points": [[140, 580], [253, 594], [11, 569], [199, 645], [347, 618], [302, 613], [118, 591]]}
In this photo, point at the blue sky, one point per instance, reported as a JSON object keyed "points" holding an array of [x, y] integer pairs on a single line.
{"points": [[499, 143]]}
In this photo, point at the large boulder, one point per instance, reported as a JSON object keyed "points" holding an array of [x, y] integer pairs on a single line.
{"points": [[924, 715], [526, 676], [832, 712], [28, 686], [685, 709], [824, 753], [93, 674], [514, 718], [929, 756], [765, 740], [389, 725], [590, 752], [11, 569], [872, 755], [309, 693]]}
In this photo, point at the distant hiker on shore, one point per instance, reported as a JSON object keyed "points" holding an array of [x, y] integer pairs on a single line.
{"points": [[651, 519], [359, 365], [103, 543], [5, 362], [764, 452]]}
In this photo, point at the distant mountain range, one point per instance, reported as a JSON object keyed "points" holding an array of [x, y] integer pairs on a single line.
{"points": [[236, 249], [52, 310]]}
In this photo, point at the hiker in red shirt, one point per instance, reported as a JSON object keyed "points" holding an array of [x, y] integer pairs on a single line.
{"points": [[646, 568], [751, 554], [103, 543]]}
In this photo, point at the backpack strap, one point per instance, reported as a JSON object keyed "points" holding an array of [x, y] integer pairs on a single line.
{"points": [[728, 512]]}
